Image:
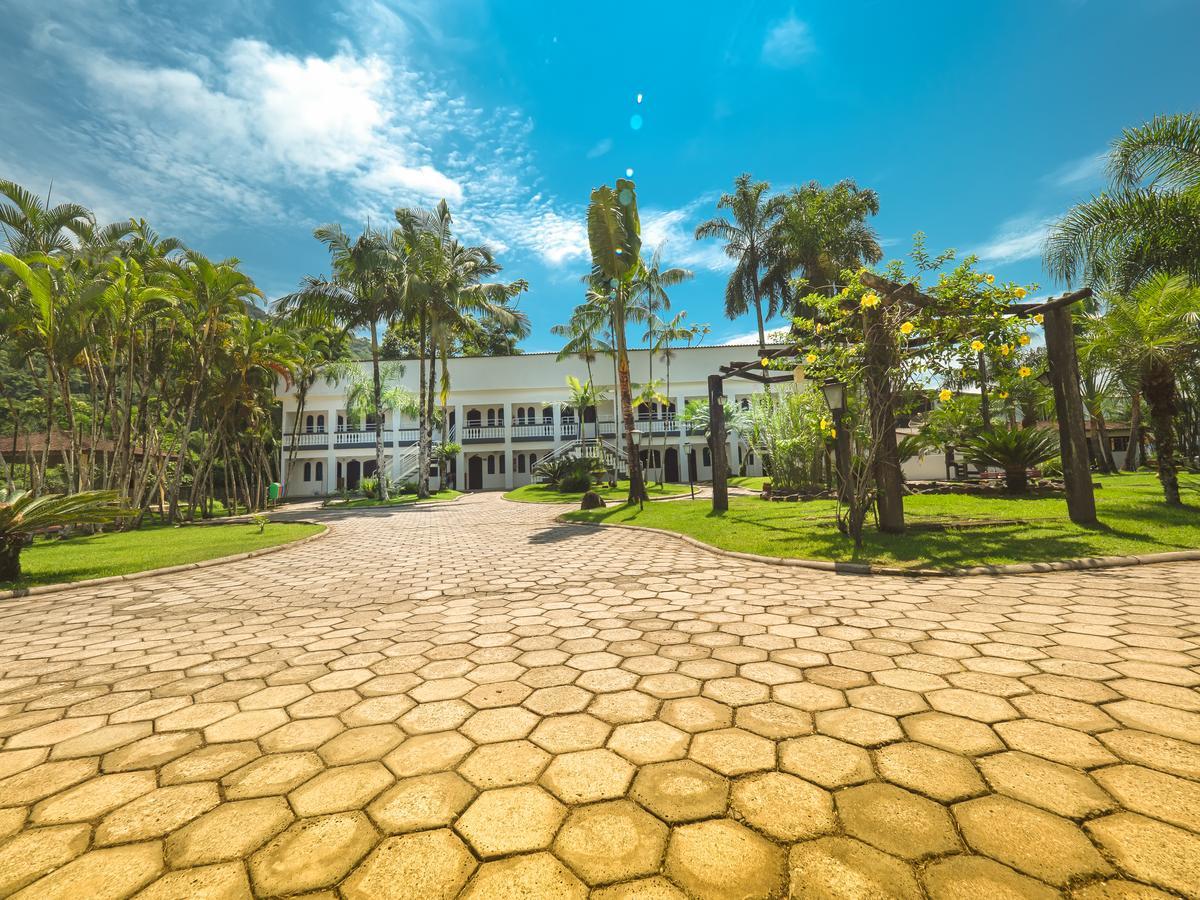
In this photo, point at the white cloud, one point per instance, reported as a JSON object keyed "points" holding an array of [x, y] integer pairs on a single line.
{"points": [[1017, 239], [1085, 170], [674, 230], [773, 335], [788, 43], [601, 147]]}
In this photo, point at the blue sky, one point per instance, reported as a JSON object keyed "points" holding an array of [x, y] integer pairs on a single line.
{"points": [[239, 127]]}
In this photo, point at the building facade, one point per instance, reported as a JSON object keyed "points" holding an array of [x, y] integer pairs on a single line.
{"points": [[509, 412]]}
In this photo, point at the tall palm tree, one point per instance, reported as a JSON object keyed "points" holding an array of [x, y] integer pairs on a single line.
{"points": [[747, 242], [820, 232], [32, 225], [584, 334], [1149, 220], [1153, 335], [360, 294]]}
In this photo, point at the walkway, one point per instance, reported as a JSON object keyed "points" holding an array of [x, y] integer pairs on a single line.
{"points": [[467, 697]]}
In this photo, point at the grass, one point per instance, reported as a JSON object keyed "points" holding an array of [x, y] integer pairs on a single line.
{"points": [[749, 482], [544, 493], [395, 500], [1133, 518], [54, 560]]}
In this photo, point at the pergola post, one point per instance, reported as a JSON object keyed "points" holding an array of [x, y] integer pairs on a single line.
{"points": [[889, 492], [1068, 403], [717, 444]]}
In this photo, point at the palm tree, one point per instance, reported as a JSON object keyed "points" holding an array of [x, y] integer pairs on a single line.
{"points": [[1148, 222], [583, 394], [819, 233], [360, 294], [747, 241], [22, 515], [1151, 336], [582, 332], [31, 225]]}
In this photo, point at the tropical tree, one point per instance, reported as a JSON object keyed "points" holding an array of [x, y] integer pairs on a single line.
{"points": [[748, 242], [23, 514], [584, 334], [584, 394], [1148, 222], [360, 294], [1015, 450], [1151, 336]]}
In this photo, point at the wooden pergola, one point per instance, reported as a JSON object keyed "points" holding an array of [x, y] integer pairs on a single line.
{"points": [[881, 359]]}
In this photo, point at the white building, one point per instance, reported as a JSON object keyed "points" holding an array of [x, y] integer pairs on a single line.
{"points": [[508, 412]]}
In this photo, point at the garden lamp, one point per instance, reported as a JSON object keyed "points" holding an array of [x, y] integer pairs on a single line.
{"points": [[1045, 379], [835, 395]]}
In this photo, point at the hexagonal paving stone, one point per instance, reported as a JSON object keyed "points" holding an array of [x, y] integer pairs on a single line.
{"points": [[305, 734], [622, 707], [783, 807], [157, 813], [504, 765], [1030, 840], [896, 821], [532, 875], [209, 763], [93, 798], [972, 705], [721, 858], [151, 751], [808, 696], [953, 733], [694, 714], [564, 734], [312, 854], [358, 745], [427, 718], [1053, 742], [607, 842], [587, 776], [681, 791], [858, 726], [230, 831], [944, 776], [733, 751], [110, 872], [340, 788], [554, 701], [888, 701], [33, 853], [827, 762], [424, 866], [506, 723], [832, 868], [220, 880], [1039, 782], [421, 802], [960, 877], [511, 820], [648, 742], [1155, 751], [774, 720], [1151, 851], [1153, 794], [277, 773], [428, 753]]}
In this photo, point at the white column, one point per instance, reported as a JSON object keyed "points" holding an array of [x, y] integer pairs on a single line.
{"points": [[682, 439], [556, 412], [508, 456], [330, 452]]}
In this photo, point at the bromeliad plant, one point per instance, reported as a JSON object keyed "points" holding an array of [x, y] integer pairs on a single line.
{"points": [[22, 515]]}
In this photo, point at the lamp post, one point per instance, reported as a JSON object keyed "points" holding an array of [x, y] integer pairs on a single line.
{"points": [[835, 399], [636, 436]]}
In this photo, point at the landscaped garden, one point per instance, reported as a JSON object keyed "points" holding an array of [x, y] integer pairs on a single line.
{"points": [[944, 530], [548, 493], [400, 499], [51, 560]]}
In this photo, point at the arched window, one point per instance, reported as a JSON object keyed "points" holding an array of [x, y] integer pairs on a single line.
{"points": [[520, 415], [308, 471], [706, 457], [521, 463], [308, 424], [503, 457], [491, 465], [532, 461], [750, 458], [568, 414], [531, 414], [643, 411], [491, 419], [320, 472], [547, 416], [321, 424], [473, 418]]}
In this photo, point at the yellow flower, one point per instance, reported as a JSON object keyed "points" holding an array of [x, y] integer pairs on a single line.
{"points": [[1023, 340], [870, 299], [765, 362], [1024, 371], [811, 358], [945, 394], [1039, 318], [833, 432], [990, 279], [1005, 349], [824, 424], [1020, 292], [976, 345], [907, 328], [1004, 395], [819, 327]]}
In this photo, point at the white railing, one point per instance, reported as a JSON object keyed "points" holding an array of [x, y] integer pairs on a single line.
{"points": [[318, 439], [358, 437], [483, 433], [538, 430], [658, 426], [569, 430]]}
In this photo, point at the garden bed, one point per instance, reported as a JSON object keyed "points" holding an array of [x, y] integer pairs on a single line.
{"points": [[545, 493], [394, 500]]}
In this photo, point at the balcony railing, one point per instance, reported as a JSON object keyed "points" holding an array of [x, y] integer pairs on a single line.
{"points": [[359, 437], [317, 439], [473, 433], [533, 431]]}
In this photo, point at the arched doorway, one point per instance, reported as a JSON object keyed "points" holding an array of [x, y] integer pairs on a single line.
{"points": [[353, 474], [671, 472], [475, 473]]}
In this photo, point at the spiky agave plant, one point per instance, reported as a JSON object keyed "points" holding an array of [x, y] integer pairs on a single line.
{"points": [[1015, 450], [22, 515]]}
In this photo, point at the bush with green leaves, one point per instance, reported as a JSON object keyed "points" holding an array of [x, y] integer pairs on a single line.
{"points": [[580, 474], [372, 487], [552, 470], [1015, 450], [789, 431], [22, 515]]}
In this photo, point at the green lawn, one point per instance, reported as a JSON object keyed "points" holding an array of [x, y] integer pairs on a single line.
{"points": [[544, 493], [51, 560], [395, 500], [1134, 521], [749, 482]]}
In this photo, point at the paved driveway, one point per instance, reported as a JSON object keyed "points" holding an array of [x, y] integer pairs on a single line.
{"points": [[469, 697]]}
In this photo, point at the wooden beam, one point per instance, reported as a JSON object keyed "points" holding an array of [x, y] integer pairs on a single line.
{"points": [[1068, 403], [716, 445]]}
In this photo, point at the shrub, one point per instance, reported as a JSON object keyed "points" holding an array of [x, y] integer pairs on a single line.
{"points": [[1015, 450], [1053, 467], [580, 474], [22, 515], [552, 470], [369, 487], [789, 438]]}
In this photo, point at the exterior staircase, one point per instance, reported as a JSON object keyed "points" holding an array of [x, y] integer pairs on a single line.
{"points": [[612, 456]]}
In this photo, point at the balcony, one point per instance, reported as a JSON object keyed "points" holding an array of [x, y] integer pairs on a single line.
{"points": [[474, 434], [668, 425], [359, 437], [538, 431], [306, 440]]}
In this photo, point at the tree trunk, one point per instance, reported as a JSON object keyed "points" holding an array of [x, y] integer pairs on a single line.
{"points": [[1016, 481], [985, 405], [1106, 455], [637, 489], [425, 346], [1158, 384], [1133, 448], [881, 397], [380, 475], [10, 559]]}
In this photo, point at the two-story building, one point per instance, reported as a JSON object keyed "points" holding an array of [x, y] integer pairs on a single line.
{"points": [[509, 412]]}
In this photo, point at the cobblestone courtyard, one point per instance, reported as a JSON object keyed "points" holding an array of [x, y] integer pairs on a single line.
{"points": [[467, 698]]}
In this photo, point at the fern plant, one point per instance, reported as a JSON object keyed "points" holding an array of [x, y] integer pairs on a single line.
{"points": [[1015, 450], [22, 515]]}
